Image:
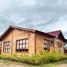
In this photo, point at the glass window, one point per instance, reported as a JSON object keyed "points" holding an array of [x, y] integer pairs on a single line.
{"points": [[59, 44], [6, 46], [51, 43], [26, 44], [23, 43], [47, 44], [20, 44]]}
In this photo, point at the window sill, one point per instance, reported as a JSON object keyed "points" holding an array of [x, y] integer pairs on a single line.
{"points": [[22, 51]]}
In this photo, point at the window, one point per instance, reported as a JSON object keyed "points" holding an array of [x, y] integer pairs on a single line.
{"points": [[22, 45], [51, 43], [6, 47], [47, 44], [59, 44]]}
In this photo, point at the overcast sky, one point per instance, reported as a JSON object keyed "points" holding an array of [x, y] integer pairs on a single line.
{"points": [[44, 15]]}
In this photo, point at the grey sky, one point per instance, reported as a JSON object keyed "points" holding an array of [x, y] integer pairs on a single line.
{"points": [[45, 15]]}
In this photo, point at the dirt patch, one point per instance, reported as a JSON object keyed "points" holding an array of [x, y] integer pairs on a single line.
{"points": [[62, 65], [6, 63]]}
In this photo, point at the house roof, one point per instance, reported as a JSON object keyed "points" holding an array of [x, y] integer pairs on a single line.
{"points": [[25, 29], [57, 34]]}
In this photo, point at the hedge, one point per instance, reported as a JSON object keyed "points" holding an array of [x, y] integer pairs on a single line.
{"points": [[41, 58]]}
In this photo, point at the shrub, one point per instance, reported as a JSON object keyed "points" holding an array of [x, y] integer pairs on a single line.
{"points": [[41, 58], [54, 56]]}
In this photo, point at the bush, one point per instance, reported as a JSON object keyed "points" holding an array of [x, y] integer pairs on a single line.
{"points": [[56, 56], [41, 58]]}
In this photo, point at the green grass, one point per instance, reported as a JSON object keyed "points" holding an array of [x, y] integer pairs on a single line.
{"points": [[44, 65], [54, 64]]}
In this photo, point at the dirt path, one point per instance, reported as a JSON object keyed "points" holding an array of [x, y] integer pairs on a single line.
{"points": [[11, 64], [62, 65]]}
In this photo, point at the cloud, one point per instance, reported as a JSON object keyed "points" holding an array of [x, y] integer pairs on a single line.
{"points": [[59, 24], [45, 15]]}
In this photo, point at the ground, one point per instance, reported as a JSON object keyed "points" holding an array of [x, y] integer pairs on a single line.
{"points": [[6, 63], [62, 65]]}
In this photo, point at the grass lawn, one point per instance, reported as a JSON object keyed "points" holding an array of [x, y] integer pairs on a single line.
{"points": [[6, 63], [55, 64]]}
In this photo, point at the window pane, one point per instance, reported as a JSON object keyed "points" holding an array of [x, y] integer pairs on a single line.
{"points": [[23, 46], [8, 50], [27, 46], [20, 44], [7, 43], [23, 41], [27, 41], [45, 46], [20, 41], [51, 43], [17, 44], [7, 46], [45, 41], [59, 44]]}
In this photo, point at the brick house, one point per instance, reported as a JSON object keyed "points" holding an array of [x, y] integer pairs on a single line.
{"points": [[29, 41]]}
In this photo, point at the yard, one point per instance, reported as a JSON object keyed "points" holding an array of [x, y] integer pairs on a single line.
{"points": [[6, 63]]}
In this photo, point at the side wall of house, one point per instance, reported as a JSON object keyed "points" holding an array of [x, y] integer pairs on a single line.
{"points": [[16, 35], [40, 42]]}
